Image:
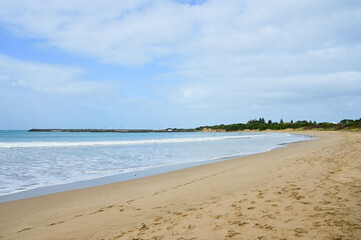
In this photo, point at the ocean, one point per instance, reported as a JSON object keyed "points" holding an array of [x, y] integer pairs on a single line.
{"points": [[36, 163]]}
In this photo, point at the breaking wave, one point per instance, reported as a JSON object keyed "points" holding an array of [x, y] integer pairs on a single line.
{"points": [[114, 143]]}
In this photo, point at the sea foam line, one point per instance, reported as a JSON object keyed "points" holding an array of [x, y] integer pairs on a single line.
{"points": [[110, 143]]}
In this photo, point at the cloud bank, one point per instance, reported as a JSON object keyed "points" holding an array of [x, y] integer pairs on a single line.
{"points": [[240, 59]]}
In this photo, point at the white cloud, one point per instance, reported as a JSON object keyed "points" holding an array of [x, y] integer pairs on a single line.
{"points": [[223, 53], [137, 32], [47, 78]]}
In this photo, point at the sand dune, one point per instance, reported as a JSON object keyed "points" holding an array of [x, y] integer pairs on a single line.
{"points": [[309, 190]]}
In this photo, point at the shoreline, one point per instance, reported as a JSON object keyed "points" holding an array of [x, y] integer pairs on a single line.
{"points": [[102, 180], [122, 177], [308, 190]]}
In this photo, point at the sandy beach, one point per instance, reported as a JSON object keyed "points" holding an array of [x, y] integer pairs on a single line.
{"points": [[308, 190]]}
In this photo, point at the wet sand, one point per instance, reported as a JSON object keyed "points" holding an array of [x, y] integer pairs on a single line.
{"points": [[308, 190]]}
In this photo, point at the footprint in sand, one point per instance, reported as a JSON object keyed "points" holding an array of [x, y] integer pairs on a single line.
{"points": [[316, 224], [217, 216], [317, 208], [296, 196], [157, 238], [191, 226], [25, 229], [158, 207], [231, 234], [243, 200], [270, 216], [260, 195], [288, 208], [191, 209], [218, 227], [325, 202], [239, 214], [158, 219], [119, 235], [99, 211], [239, 223], [299, 232], [53, 224], [266, 227], [143, 228]]}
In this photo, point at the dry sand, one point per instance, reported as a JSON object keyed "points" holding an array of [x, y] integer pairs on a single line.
{"points": [[309, 190]]}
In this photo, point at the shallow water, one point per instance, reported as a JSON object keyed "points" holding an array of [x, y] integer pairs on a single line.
{"points": [[30, 160]]}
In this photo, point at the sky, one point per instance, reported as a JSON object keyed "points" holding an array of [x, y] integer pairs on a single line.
{"points": [[177, 63]]}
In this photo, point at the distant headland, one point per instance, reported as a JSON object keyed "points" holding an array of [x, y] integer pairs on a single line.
{"points": [[254, 124], [112, 130]]}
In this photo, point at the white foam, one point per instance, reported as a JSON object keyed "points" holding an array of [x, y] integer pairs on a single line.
{"points": [[110, 143]]}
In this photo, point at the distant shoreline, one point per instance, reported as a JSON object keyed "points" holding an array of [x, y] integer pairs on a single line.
{"points": [[251, 125], [112, 130]]}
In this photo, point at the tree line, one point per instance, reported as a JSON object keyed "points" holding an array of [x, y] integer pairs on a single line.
{"points": [[261, 124]]}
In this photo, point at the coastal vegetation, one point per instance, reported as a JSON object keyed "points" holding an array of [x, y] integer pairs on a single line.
{"points": [[261, 124], [254, 124]]}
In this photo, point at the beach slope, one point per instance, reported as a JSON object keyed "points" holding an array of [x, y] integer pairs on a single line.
{"points": [[308, 190]]}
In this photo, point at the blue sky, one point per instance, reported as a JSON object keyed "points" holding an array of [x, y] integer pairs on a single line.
{"points": [[159, 64]]}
